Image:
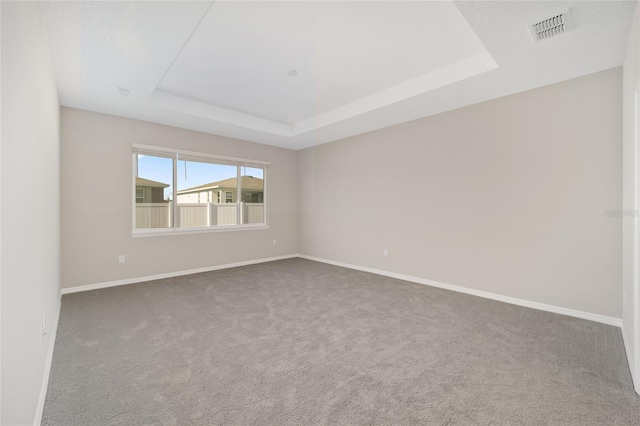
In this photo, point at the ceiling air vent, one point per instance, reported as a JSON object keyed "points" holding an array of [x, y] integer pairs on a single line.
{"points": [[550, 27]]}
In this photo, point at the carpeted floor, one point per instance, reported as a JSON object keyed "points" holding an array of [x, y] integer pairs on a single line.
{"points": [[297, 342]]}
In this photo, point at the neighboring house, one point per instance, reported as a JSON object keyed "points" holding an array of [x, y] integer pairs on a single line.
{"points": [[224, 191], [149, 191]]}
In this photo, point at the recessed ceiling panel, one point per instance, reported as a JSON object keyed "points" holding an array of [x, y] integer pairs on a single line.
{"points": [[289, 67], [224, 67]]}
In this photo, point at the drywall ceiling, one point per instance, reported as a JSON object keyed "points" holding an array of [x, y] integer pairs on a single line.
{"points": [[297, 74]]}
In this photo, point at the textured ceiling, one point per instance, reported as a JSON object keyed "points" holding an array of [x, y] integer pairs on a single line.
{"points": [[223, 67]]}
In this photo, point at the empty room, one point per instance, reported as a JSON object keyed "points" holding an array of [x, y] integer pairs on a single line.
{"points": [[320, 213]]}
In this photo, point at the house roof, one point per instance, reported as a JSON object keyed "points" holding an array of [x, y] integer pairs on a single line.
{"points": [[146, 182], [248, 182]]}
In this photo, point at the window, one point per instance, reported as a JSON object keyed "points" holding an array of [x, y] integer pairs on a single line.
{"points": [[210, 192], [153, 189]]}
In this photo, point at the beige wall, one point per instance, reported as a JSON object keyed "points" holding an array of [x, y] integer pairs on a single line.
{"points": [[631, 302], [507, 196], [30, 208], [97, 202]]}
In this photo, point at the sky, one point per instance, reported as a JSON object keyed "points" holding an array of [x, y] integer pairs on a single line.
{"points": [[190, 173]]}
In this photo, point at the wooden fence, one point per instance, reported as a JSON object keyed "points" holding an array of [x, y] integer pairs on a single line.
{"points": [[158, 215], [153, 215], [253, 213]]}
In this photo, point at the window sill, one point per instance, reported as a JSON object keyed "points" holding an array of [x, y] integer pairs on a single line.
{"points": [[159, 232]]}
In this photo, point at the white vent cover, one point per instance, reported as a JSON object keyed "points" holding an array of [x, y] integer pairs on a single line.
{"points": [[550, 27]]}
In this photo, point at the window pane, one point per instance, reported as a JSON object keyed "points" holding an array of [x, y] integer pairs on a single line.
{"points": [[206, 194], [153, 191], [252, 190]]}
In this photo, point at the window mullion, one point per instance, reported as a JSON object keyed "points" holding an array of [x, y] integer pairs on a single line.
{"points": [[174, 200], [238, 194]]}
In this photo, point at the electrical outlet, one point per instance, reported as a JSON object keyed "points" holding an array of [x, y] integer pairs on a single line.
{"points": [[274, 242], [385, 252], [121, 258]]}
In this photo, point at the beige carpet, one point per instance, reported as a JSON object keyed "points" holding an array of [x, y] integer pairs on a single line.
{"points": [[296, 342]]}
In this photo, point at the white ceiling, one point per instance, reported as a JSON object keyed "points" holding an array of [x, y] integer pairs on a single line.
{"points": [[223, 67]]}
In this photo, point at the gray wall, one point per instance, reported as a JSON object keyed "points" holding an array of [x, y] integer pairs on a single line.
{"points": [[631, 301], [30, 242], [96, 202], [507, 196]]}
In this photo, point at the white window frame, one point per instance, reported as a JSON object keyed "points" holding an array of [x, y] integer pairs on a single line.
{"points": [[175, 155]]}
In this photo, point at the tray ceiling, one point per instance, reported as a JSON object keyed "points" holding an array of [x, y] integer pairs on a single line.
{"points": [[295, 74]]}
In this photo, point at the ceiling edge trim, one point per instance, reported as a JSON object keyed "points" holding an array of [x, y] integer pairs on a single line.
{"points": [[461, 70], [441, 77], [174, 102]]}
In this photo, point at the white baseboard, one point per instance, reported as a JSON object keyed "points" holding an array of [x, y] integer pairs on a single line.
{"points": [[172, 274], [514, 301], [631, 359], [47, 367], [507, 299]]}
